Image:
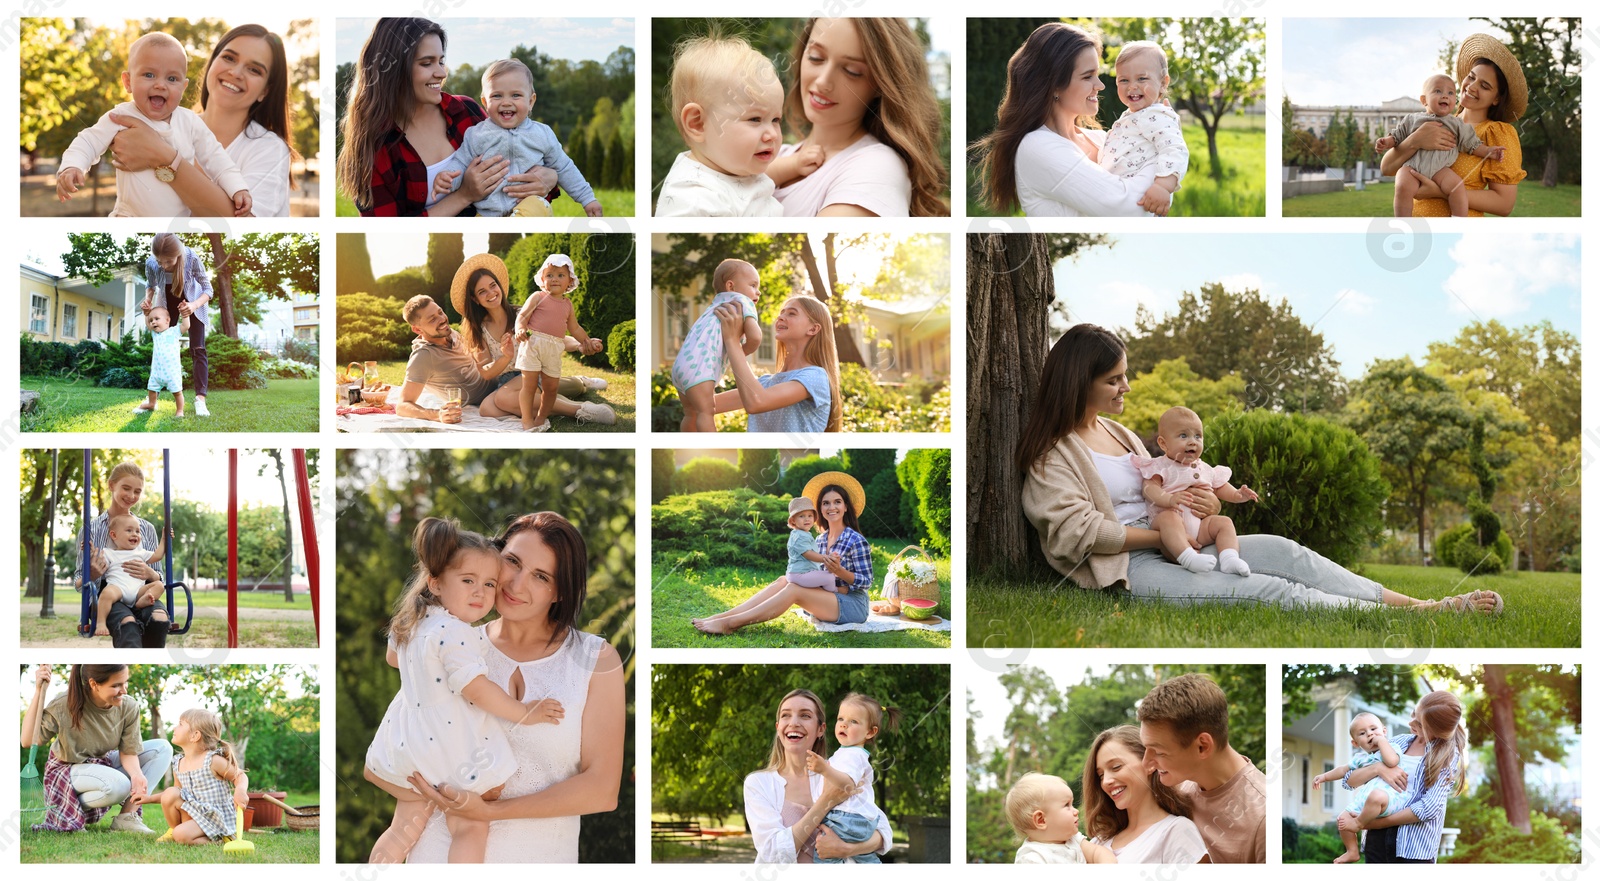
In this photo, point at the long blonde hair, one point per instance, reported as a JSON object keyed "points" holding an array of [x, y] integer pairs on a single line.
{"points": [[775, 761], [208, 725], [166, 245], [437, 543], [822, 351], [1440, 714], [380, 99], [905, 115]]}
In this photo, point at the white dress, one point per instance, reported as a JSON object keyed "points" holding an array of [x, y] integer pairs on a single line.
{"points": [[544, 754], [1173, 839], [429, 727]]}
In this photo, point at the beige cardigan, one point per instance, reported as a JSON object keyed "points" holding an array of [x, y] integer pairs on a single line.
{"points": [[1068, 505]]}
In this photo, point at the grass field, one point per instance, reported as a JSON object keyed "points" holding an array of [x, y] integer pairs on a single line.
{"points": [[621, 394], [69, 405], [617, 203], [248, 599], [1542, 610], [1378, 201], [1242, 192], [204, 633], [98, 844], [677, 595]]}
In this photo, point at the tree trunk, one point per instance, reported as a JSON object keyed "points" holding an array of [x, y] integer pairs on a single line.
{"points": [[1502, 706], [288, 532], [1009, 292], [222, 287], [1549, 179], [34, 548], [1211, 125], [846, 344]]}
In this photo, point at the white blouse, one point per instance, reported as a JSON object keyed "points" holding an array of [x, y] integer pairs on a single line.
{"points": [[1173, 839], [1056, 179], [263, 159], [763, 809]]}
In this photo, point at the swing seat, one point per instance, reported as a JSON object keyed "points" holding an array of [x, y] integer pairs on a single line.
{"points": [[91, 605], [188, 601]]}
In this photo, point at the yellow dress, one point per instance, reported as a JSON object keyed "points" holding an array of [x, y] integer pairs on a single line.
{"points": [[1477, 173]]}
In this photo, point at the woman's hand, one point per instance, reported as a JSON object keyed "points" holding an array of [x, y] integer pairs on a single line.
{"points": [[831, 563], [536, 181], [731, 317], [141, 570], [1349, 822], [831, 847], [1428, 190], [833, 795], [483, 175], [41, 676], [1203, 501], [1395, 777], [1430, 136], [137, 147], [184, 309], [141, 787], [446, 798]]}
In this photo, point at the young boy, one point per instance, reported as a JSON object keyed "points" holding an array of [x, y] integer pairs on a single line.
{"points": [[1183, 723], [508, 97], [1372, 799], [1040, 809], [156, 78], [125, 540], [701, 359], [166, 368]]}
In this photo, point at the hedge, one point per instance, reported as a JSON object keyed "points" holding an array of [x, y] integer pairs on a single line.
{"points": [[705, 474], [371, 329], [722, 526], [622, 346]]}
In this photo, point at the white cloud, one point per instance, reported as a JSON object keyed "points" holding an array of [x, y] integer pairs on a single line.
{"points": [[1499, 274], [1352, 302]]}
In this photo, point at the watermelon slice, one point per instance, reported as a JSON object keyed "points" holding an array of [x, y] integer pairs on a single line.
{"points": [[918, 610]]}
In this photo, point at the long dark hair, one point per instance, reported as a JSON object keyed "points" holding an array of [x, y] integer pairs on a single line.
{"points": [[572, 565], [849, 509], [1103, 818], [1035, 73], [473, 314], [272, 112], [380, 98], [1084, 352], [78, 686]]}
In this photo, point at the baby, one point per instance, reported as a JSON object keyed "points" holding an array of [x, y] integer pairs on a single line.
{"points": [[728, 105], [805, 562], [856, 818], [1149, 132], [542, 328], [166, 370], [1166, 481], [702, 359], [508, 96], [1439, 101], [1039, 807], [120, 583], [1372, 799], [156, 77]]}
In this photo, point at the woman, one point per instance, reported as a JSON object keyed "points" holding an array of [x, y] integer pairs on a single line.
{"points": [[96, 758], [244, 100], [566, 770], [785, 804], [1084, 497], [1044, 152], [864, 97], [1129, 810], [804, 394], [1432, 768], [130, 627], [846, 554], [1494, 95], [400, 127]]}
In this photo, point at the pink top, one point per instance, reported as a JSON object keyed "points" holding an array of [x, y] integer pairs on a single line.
{"points": [[551, 316], [1176, 477], [868, 173]]}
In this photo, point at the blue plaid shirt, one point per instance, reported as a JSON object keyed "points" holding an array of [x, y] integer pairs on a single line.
{"points": [[1419, 840], [854, 554]]}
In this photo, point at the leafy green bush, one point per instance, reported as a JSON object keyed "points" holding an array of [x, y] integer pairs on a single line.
{"points": [[1573, 562], [128, 353], [864, 465], [803, 469], [759, 469], [705, 474], [1475, 560], [872, 407], [116, 377], [228, 363], [1458, 547], [666, 411], [604, 263], [398, 287], [371, 329], [748, 524], [1487, 837], [622, 346], [924, 475], [1396, 551], [882, 517], [283, 368], [1311, 844], [304, 351], [1319, 483], [40, 358]]}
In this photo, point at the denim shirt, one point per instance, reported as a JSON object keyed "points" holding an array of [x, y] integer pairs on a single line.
{"points": [[527, 145], [197, 286]]}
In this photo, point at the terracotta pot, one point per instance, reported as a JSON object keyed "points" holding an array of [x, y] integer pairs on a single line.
{"points": [[267, 814], [249, 812]]}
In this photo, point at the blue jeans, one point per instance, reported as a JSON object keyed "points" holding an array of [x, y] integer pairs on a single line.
{"points": [[852, 829], [1282, 572]]}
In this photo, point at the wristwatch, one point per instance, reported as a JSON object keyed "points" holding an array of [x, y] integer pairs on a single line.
{"points": [[166, 173]]}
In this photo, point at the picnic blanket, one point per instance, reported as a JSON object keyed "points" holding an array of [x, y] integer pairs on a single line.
{"points": [[873, 624], [366, 419]]}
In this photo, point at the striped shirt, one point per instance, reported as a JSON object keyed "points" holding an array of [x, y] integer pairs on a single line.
{"points": [[1419, 840], [196, 285], [854, 554]]}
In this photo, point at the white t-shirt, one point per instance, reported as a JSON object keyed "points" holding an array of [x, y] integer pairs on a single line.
{"points": [[1173, 839], [868, 173], [694, 189], [857, 765], [1124, 485], [1068, 853], [763, 810], [1056, 179], [263, 159], [120, 578]]}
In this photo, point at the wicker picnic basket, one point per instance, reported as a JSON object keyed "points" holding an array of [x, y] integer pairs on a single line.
{"points": [[897, 589], [306, 818]]}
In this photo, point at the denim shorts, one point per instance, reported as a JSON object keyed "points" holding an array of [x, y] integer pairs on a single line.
{"points": [[853, 607]]}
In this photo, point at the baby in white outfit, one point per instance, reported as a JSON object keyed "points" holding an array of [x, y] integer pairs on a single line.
{"points": [[1040, 809], [1148, 132]]}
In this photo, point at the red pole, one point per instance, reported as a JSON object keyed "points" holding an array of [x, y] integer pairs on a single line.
{"points": [[308, 536], [233, 549]]}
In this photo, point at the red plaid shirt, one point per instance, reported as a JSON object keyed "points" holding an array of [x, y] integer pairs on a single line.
{"points": [[400, 177]]}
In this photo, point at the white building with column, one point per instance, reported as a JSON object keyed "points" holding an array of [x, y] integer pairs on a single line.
{"points": [[1372, 119]]}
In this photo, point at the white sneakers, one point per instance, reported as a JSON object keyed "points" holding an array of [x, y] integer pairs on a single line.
{"points": [[128, 821], [592, 383], [599, 413], [200, 407]]}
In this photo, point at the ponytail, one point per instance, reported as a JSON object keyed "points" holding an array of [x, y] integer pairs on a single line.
{"points": [[78, 686], [436, 541]]}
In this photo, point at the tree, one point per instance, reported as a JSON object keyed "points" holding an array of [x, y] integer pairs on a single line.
{"points": [[36, 513], [1551, 53], [759, 467], [1537, 367], [148, 683], [445, 255], [1387, 685], [252, 698], [1175, 384], [1010, 294], [355, 264], [500, 242]]}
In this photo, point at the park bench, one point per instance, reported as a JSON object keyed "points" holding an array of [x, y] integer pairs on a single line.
{"points": [[681, 832]]}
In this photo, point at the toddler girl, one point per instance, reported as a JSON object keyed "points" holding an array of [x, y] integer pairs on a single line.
{"points": [[1148, 132], [1374, 798], [728, 104], [1439, 101], [212, 789], [439, 725], [127, 540], [157, 75], [166, 365], [1167, 477], [542, 328], [702, 359], [805, 562], [1040, 809], [856, 818]]}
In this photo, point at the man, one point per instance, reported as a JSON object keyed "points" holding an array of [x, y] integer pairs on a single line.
{"points": [[440, 361], [1184, 725]]}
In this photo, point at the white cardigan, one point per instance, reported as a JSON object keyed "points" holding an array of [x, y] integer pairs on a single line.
{"points": [[763, 810]]}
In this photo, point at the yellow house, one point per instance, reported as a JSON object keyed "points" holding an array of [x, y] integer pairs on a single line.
{"points": [[65, 310], [307, 316]]}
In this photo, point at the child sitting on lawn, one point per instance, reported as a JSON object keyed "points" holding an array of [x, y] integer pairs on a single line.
{"points": [[212, 787]]}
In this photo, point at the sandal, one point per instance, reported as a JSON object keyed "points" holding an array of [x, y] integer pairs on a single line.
{"points": [[1467, 603]]}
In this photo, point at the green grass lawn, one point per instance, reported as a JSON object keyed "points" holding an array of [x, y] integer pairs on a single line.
{"points": [[1242, 192], [69, 405], [620, 394], [248, 599], [617, 203], [677, 595], [1377, 200], [1542, 610], [98, 844]]}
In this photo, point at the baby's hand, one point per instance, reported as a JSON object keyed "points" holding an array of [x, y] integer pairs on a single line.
{"points": [[810, 158], [547, 710], [1495, 154], [815, 763], [1322, 778], [593, 209], [1156, 200], [445, 183], [241, 203], [68, 180], [1383, 144], [594, 347], [1248, 494]]}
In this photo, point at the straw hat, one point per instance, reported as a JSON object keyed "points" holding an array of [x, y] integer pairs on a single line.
{"points": [[458, 285], [858, 496], [1516, 85], [799, 505]]}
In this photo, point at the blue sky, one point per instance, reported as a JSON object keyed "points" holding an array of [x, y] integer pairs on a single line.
{"points": [[477, 41], [1348, 61], [1365, 307]]}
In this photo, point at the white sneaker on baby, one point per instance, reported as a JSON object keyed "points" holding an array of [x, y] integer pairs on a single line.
{"points": [[1195, 561], [1230, 562]]}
